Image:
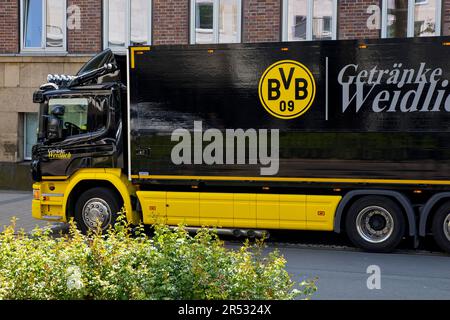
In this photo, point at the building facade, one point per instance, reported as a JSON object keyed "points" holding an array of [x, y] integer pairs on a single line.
{"points": [[38, 37]]}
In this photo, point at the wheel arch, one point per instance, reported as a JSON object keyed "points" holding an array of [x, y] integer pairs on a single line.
{"points": [[84, 180], [429, 209], [400, 198]]}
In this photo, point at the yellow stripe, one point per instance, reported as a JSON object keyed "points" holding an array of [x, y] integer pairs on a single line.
{"points": [[55, 178], [133, 51], [318, 180]]}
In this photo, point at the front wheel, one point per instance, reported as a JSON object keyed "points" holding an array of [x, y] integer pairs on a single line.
{"points": [[96, 208], [441, 227], [375, 223]]}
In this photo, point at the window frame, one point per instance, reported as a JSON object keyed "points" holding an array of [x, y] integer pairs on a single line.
{"points": [[309, 21], [216, 25], [411, 18], [128, 26], [43, 47]]}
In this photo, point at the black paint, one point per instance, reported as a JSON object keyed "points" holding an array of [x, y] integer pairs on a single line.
{"points": [[173, 86]]}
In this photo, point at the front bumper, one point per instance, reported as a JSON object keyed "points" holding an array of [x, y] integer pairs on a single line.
{"points": [[47, 206]]}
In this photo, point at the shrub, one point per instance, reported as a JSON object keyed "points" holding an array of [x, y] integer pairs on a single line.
{"points": [[118, 265]]}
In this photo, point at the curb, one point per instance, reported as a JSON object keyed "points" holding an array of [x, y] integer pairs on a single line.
{"points": [[59, 227], [56, 228]]}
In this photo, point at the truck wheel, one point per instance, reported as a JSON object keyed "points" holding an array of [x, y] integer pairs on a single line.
{"points": [[96, 207], [375, 224], [441, 227]]}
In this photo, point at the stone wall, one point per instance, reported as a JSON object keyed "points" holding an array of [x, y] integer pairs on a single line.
{"points": [[20, 76], [88, 37], [261, 20], [171, 22], [353, 16], [446, 18], [15, 176], [9, 26]]}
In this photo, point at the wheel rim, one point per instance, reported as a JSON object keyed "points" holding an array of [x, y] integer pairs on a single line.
{"points": [[375, 224], [96, 212], [446, 227]]}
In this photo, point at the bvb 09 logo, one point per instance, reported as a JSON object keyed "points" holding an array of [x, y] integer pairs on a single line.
{"points": [[287, 89]]}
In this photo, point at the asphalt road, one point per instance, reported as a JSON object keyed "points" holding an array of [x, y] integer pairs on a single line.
{"points": [[17, 204], [343, 274], [341, 269]]}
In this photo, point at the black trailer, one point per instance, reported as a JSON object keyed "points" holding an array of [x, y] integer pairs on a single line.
{"points": [[381, 109]]}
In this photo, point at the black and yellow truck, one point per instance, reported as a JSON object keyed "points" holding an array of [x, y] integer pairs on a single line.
{"points": [[344, 136]]}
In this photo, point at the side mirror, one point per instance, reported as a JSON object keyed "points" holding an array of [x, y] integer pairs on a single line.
{"points": [[58, 111], [55, 123], [54, 128]]}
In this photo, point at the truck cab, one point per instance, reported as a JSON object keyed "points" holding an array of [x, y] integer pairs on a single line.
{"points": [[80, 143], [80, 120]]}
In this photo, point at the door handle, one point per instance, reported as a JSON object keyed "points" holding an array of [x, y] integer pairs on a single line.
{"points": [[143, 152]]}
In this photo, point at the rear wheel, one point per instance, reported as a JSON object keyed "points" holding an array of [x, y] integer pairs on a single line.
{"points": [[96, 208], [375, 223], [441, 227]]}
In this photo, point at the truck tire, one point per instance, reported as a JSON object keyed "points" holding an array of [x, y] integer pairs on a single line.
{"points": [[375, 224], [441, 227], [96, 206]]}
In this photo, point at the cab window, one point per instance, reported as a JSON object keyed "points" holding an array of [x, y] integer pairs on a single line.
{"points": [[80, 115], [74, 119]]}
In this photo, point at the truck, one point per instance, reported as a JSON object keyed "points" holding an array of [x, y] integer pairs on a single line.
{"points": [[346, 136]]}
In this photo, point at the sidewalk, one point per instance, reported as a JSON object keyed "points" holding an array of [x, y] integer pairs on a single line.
{"points": [[18, 204]]}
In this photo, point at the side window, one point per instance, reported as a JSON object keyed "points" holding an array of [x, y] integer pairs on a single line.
{"points": [[216, 21], [80, 115], [127, 22], [74, 120], [411, 18], [309, 20]]}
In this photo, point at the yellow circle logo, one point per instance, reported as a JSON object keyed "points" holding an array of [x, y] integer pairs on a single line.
{"points": [[287, 89]]}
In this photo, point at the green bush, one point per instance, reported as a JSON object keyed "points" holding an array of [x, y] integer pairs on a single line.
{"points": [[117, 265]]}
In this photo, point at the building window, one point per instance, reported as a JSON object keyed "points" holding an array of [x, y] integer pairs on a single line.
{"points": [[216, 21], [309, 20], [43, 25], [30, 133], [411, 18], [127, 23]]}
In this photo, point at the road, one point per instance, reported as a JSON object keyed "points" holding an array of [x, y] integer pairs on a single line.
{"points": [[343, 274], [340, 268], [17, 204]]}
